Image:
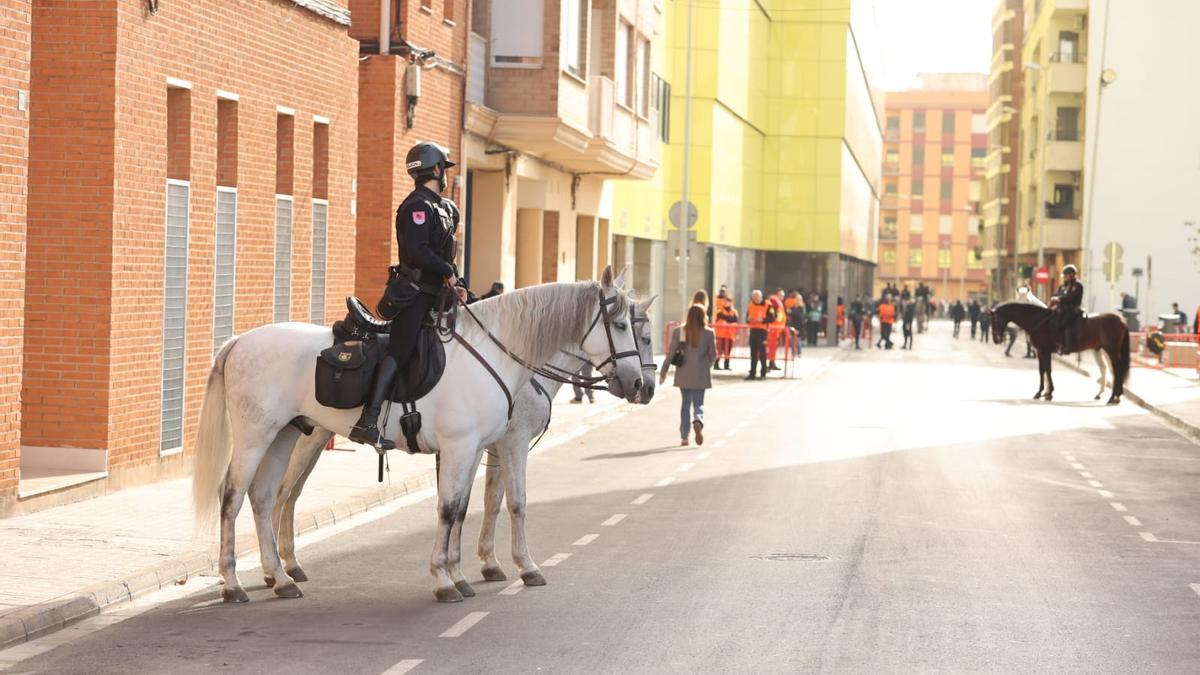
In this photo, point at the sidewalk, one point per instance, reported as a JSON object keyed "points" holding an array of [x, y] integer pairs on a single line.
{"points": [[1173, 395], [67, 563]]}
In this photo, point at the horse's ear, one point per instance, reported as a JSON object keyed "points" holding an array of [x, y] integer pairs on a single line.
{"points": [[606, 279], [619, 282], [646, 305]]}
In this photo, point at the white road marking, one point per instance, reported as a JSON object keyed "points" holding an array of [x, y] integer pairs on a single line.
{"points": [[685, 467], [1069, 457], [464, 624], [555, 559], [1095, 483], [1195, 588], [718, 444], [1148, 537], [1118, 506], [513, 588], [616, 518], [1064, 453], [704, 455], [642, 498], [586, 539], [665, 482], [1086, 474], [1133, 521], [403, 667], [1105, 493], [731, 433], [1077, 466]]}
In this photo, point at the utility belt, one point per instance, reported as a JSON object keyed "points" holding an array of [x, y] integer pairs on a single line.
{"points": [[404, 285]]}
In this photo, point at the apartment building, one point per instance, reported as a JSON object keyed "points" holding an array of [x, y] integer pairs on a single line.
{"points": [[191, 175], [999, 200], [933, 166], [1049, 227], [558, 108]]}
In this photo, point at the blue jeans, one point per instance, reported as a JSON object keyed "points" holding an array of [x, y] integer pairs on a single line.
{"points": [[693, 400]]}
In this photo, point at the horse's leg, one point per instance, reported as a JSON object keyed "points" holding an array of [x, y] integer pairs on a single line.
{"points": [[454, 485], [1099, 354], [1041, 374], [514, 474], [1049, 395], [455, 548], [263, 490], [493, 495], [304, 460], [248, 451]]}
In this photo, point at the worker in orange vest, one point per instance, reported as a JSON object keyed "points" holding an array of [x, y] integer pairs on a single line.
{"points": [[887, 317], [841, 318], [725, 319], [760, 314], [777, 327]]}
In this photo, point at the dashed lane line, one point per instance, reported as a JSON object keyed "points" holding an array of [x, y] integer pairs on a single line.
{"points": [[1133, 521], [685, 467], [665, 482], [1086, 474], [1118, 506], [556, 559], [464, 624], [1195, 588], [1095, 483], [1147, 536], [642, 498], [403, 667], [586, 539], [616, 518], [513, 588], [1106, 494], [731, 433], [703, 455]]}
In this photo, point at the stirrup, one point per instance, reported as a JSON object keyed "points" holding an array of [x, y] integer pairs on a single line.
{"points": [[370, 435]]}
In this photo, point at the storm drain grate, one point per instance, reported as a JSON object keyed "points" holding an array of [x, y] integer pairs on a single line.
{"points": [[791, 557]]}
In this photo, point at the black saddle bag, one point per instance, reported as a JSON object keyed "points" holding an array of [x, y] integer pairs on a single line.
{"points": [[344, 373]]}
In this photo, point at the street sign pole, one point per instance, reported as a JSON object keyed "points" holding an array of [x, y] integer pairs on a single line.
{"points": [[684, 221]]}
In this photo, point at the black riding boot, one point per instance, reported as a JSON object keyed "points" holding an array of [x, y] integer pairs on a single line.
{"points": [[367, 428]]}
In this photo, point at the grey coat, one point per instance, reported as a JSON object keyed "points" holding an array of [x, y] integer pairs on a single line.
{"points": [[696, 371]]}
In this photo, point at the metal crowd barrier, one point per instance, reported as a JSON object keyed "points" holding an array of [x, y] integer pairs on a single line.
{"points": [[1167, 350], [782, 343]]}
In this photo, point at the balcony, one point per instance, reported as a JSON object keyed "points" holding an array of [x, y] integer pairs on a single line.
{"points": [[891, 169], [1064, 155], [1062, 234], [1067, 77]]}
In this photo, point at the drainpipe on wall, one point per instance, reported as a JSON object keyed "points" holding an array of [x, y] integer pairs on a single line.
{"points": [[385, 26]]}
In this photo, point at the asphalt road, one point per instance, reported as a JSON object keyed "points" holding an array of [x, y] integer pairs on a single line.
{"points": [[893, 512]]}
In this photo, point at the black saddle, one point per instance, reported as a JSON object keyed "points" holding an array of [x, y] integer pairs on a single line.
{"points": [[424, 370], [363, 318]]}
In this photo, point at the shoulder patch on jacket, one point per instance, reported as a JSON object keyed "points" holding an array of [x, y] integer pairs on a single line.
{"points": [[418, 217]]}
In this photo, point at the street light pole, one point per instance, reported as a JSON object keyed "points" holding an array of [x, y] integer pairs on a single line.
{"points": [[1043, 130], [685, 212]]}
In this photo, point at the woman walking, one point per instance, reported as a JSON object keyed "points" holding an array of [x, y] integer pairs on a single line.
{"points": [[697, 348]]}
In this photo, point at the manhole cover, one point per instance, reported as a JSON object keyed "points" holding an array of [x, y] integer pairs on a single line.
{"points": [[791, 557]]}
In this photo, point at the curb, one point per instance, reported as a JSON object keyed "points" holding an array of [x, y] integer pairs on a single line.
{"points": [[35, 621], [1189, 430]]}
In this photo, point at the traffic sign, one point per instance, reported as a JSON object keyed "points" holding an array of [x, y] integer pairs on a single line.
{"points": [[674, 215], [1112, 262], [1041, 275]]}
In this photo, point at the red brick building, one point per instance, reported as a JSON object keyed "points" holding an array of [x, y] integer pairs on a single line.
{"points": [[191, 174]]}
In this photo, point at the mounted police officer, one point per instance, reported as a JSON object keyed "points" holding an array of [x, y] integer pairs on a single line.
{"points": [[1066, 303], [426, 224]]}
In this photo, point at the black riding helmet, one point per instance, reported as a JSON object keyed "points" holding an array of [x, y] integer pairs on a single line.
{"points": [[428, 161]]}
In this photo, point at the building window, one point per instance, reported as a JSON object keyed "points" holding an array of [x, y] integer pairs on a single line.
{"points": [[448, 10], [945, 223], [974, 261], [225, 266], [574, 24], [889, 256], [947, 156], [513, 45], [919, 122], [978, 155], [175, 268], [320, 243], [283, 258], [642, 79], [918, 188], [914, 257], [947, 121], [889, 189], [1068, 47], [621, 65], [889, 225], [893, 122], [892, 157], [978, 123], [661, 100], [1066, 126], [943, 258], [916, 224], [947, 190], [919, 156]]}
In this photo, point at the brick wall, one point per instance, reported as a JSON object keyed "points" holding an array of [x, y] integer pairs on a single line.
{"points": [[98, 170], [14, 139]]}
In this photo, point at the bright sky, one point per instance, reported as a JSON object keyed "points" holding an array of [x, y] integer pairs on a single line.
{"points": [[922, 36]]}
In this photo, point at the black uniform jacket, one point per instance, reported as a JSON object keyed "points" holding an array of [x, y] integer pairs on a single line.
{"points": [[425, 227], [1070, 295]]}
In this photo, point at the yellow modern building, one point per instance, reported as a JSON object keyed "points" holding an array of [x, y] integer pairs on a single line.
{"points": [[786, 149], [1052, 122]]}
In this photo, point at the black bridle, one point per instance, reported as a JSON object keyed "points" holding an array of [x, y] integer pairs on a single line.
{"points": [[635, 323]]}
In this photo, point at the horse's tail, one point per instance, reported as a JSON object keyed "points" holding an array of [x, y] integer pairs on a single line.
{"points": [[1121, 368], [213, 449]]}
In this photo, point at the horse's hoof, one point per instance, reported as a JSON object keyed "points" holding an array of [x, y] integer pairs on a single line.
{"points": [[465, 588], [1097, 397], [269, 580], [1113, 401], [494, 574], [448, 595], [297, 574], [289, 591], [236, 594], [1037, 397], [1049, 397], [533, 579]]}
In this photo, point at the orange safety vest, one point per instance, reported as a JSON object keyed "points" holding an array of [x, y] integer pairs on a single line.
{"points": [[887, 313], [756, 315], [780, 313], [841, 315]]}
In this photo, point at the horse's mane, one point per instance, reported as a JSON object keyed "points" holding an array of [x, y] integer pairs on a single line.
{"points": [[534, 322]]}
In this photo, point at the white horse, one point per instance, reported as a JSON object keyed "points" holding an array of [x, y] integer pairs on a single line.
{"points": [[262, 380], [531, 416]]}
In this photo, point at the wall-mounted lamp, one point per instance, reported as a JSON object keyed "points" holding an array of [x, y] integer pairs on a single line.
{"points": [[152, 6]]}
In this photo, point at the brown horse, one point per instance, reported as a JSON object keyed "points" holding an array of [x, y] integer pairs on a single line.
{"points": [[1105, 331]]}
